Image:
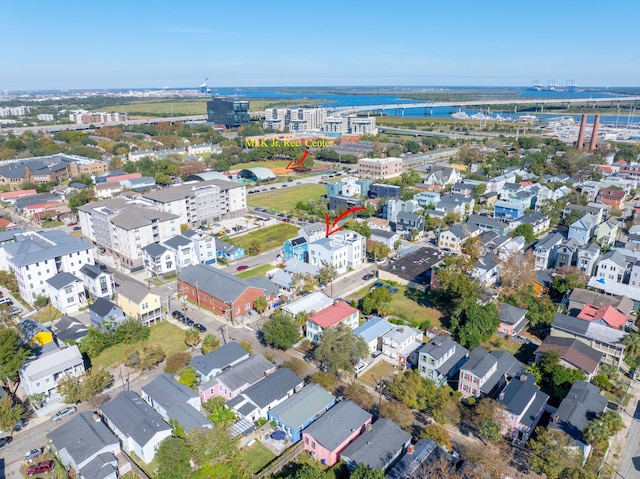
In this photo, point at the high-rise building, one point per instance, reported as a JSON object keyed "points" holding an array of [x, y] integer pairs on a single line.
{"points": [[228, 112]]}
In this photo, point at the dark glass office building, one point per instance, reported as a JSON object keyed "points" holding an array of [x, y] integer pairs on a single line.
{"points": [[228, 112]]}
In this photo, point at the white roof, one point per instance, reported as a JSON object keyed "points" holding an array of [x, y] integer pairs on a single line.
{"points": [[52, 362], [617, 289], [312, 302]]}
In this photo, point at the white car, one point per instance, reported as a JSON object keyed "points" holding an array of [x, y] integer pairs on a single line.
{"points": [[62, 413], [33, 453]]}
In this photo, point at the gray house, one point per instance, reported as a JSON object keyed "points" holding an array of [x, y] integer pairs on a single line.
{"points": [[512, 319], [440, 359], [212, 364], [103, 310], [92, 457]]}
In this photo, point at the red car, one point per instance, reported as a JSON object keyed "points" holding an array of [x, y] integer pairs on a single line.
{"points": [[242, 267], [44, 466]]}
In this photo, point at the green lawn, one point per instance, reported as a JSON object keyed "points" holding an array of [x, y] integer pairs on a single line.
{"points": [[269, 237], [256, 457], [263, 164], [253, 272], [496, 342], [285, 199], [381, 370], [165, 334]]}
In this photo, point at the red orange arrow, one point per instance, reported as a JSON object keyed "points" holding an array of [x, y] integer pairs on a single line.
{"points": [[332, 229], [297, 164]]}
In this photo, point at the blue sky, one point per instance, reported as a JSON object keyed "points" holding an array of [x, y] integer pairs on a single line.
{"points": [[139, 43]]}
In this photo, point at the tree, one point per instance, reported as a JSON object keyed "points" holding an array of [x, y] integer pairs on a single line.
{"points": [[374, 299], [247, 346], [517, 273], [13, 355], [254, 247], [10, 413], [363, 472], [473, 248], [78, 199], [219, 414], [437, 433], [210, 343], [359, 395], [326, 274], [477, 324], [280, 331], [192, 337], [260, 304], [188, 377], [377, 250], [41, 301], [176, 361], [631, 342], [562, 284], [525, 230], [212, 446], [152, 355], [298, 366], [455, 288], [339, 349], [412, 389], [173, 458], [551, 453], [397, 412], [326, 380]]}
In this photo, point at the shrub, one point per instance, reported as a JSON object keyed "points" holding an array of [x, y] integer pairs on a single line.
{"points": [[176, 362]]}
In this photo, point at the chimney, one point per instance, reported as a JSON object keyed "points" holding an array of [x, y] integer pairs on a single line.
{"points": [[594, 133], [410, 449], [583, 125], [501, 396]]}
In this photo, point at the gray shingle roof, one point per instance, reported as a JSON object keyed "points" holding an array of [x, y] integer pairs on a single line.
{"points": [[100, 467], [176, 241], [62, 279], [219, 359], [438, 347], [44, 245], [92, 270], [219, 284], [299, 408], [136, 217], [130, 414], [133, 290], [83, 437], [102, 307], [518, 393], [583, 403], [248, 371], [375, 448], [154, 250], [188, 417], [68, 328], [570, 323], [167, 392], [510, 314], [337, 424], [274, 386]]}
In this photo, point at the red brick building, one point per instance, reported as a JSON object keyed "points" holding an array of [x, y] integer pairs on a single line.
{"points": [[611, 197], [221, 292]]}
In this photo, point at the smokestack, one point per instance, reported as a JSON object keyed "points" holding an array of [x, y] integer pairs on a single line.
{"points": [[594, 133], [583, 125]]}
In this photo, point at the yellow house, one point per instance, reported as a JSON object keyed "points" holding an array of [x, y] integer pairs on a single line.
{"points": [[35, 333], [140, 303]]}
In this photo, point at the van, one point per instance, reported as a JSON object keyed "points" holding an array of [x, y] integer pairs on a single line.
{"points": [[6, 301]]}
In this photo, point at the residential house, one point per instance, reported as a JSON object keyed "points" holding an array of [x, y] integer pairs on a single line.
{"points": [[98, 281], [606, 315], [377, 447], [512, 319], [488, 223], [309, 304], [587, 258], [400, 346], [104, 191], [331, 433], [183, 251], [139, 302], [223, 293], [380, 190], [612, 197], [372, 331], [66, 293], [540, 221], [36, 335], [464, 189], [235, 379], [204, 246], [93, 457], [542, 282], [578, 298], [158, 260], [300, 410], [546, 249], [343, 250], [487, 269], [341, 203], [139, 427], [599, 211], [393, 207], [340, 312], [104, 314], [511, 210], [41, 375], [410, 225], [606, 233], [313, 231], [256, 401], [440, 359], [611, 267], [582, 230], [425, 456], [228, 251], [602, 338], [574, 354], [485, 373], [455, 204], [583, 404], [523, 404], [296, 248], [443, 175], [69, 330], [427, 199], [455, 237], [211, 364], [567, 253], [175, 401], [387, 238]]}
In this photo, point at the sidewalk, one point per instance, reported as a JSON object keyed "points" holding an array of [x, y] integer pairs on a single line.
{"points": [[621, 440]]}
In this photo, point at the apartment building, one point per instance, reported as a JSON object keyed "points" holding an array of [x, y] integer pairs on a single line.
{"points": [[342, 250], [200, 202], [84, 117], [381, 168]]}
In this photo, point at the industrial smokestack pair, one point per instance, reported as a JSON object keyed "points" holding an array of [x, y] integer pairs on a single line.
{"points": [[594, 133]]}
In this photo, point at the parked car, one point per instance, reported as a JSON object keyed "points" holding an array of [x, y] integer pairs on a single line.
{"points": [[242, 267], [15, 310], [200, 327], [62, 413], [44, 466], [189, 321], [391, 289], [368, 276], [5, 440], [177, 315], [76, 228], [6, 301], [31, 454]]}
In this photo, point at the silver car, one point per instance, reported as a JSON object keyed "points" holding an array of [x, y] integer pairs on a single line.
{"points": [[62, 413]]}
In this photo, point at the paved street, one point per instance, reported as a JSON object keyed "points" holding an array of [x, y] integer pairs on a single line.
{"points": [[628, 467]]}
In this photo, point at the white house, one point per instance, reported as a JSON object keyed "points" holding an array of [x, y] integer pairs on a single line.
{"points": [[546, 250], [400, 345], [158, 260], [343, 250], [587, 258], [204, 246], [98, 281], [183, 251], [41, 375], [340, 312], [611, 267], [582, 229], [66, 292], [139, 427]]}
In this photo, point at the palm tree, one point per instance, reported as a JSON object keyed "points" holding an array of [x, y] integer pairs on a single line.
{"points": [[192, 337], [632, 344]]}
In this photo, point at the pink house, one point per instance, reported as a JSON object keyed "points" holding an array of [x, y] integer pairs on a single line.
{"points": [[236, 379], [523, 404], [328, 436]]}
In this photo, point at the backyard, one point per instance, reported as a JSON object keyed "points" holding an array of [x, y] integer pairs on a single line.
{"points": [[268, 238], [164, 334], [285, 199], [253, 272], [256, 457]]}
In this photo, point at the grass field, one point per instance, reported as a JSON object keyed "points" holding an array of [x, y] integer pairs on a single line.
{"points": [[253, 272], [254, 458], [264, 164], [285, 199], [269, 237], [381, 370], [164, 334]]}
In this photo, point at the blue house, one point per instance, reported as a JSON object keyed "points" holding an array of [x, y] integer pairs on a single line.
{"points": [[379, 190], [228, 251], [296, 248], [301, 409], [104, 311], [508, 209]]}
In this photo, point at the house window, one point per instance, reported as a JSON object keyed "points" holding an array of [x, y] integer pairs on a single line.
{"points": [[247, 305]]}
